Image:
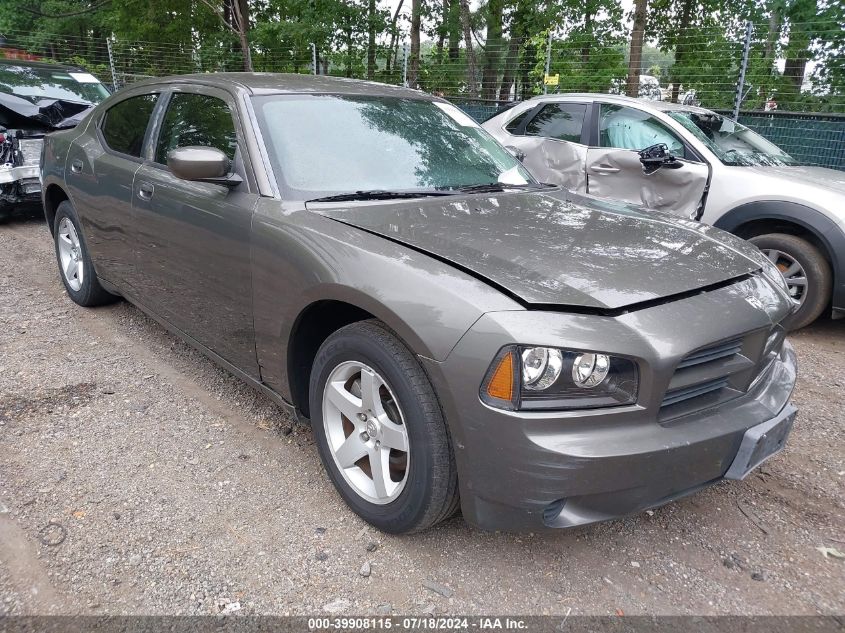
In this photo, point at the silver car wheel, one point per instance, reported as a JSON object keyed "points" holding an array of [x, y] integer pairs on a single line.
{"points": [[792, 271], [366, 432], [70, 255]]}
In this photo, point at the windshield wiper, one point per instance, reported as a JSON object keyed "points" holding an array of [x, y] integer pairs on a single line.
{"points": [[495, 187], [383, 194]]}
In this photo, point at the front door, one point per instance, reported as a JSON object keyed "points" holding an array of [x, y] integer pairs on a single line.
{"points": [[194, 237], [614, 169]]}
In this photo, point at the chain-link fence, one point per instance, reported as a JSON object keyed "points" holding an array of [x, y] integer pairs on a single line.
{"points": [[787, 82]]}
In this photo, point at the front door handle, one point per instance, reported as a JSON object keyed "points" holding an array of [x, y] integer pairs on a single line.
{"points": [[605, 169], [76, 166], [145, 191]]}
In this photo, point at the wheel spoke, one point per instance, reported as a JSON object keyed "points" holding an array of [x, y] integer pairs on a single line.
{"points": [[350, 451], [379, 467], [393, 435], [792, 270], [797, 281], [70, 269], [772, 255], [370, 392], [345, 402]]}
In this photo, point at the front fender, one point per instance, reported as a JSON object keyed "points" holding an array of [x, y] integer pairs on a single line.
{"points": [[300, 258]]}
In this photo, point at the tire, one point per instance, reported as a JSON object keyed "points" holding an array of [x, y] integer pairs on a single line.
{"points": [[81, 284], [428, 492], [815, 295]]}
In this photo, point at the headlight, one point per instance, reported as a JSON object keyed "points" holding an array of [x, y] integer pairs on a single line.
{"points": [[529, 377]]}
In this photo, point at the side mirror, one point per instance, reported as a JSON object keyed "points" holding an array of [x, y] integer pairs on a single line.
{"points": [[517, 153], [202, 164], [656, 156]]}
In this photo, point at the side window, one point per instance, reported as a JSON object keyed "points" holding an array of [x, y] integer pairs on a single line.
{"points": [[125, 124], [194, 119], [629, 128], [561, 121], [513, 125]]}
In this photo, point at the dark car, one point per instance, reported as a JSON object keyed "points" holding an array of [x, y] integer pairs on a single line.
{"points": [[36, 98], [457, 334]]}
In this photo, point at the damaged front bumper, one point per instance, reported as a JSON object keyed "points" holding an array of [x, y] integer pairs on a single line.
{"points": [[20, 181]]}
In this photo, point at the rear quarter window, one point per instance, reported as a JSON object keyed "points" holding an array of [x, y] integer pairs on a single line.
{"points": [[125, 124]]}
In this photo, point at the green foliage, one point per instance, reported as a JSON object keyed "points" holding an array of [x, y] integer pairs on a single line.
{"points": [[797, 55]]}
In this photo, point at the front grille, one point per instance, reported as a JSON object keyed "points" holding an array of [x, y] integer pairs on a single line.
{"points": [[30, 149], [714, 374]]}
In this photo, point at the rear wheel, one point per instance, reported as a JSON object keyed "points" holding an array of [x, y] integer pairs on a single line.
{"points": [[75, 267], [805, 270], [380, 431]]}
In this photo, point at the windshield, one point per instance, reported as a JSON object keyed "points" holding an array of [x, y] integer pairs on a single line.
{"points": [[733, 143], [47, 83], [329, 144]]}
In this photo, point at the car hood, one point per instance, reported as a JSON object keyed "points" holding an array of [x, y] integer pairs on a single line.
{"points": [[40, 113], [829, 179], [559, 248]]}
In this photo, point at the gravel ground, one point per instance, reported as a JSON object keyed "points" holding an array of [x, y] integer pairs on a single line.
{"points": [[138, 478]]}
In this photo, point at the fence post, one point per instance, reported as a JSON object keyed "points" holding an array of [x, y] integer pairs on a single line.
{"points": [[111, 63], [314, 59], [405, 65], [548, 62], [740, 87]]}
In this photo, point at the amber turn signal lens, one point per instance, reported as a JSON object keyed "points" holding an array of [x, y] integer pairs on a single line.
{"points": [[501, 382]]}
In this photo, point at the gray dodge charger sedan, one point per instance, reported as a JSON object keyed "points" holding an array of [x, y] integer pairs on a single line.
{"points": [[457, 334]]}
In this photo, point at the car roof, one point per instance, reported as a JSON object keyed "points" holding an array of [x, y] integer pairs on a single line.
{"points": [[290, 83], [663, 106], [6, 61]]}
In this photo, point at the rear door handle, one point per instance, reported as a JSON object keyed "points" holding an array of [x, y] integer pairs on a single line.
{"points": [[76, 166], [145, 191], [604, 169]]}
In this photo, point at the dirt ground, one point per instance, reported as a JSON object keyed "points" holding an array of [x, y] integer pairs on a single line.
{"points": [[138, 478]]}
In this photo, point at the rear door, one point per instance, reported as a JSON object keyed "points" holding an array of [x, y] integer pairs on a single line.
{"points": [[99, 173], [552, 137], [614, 169], [193, 252]]}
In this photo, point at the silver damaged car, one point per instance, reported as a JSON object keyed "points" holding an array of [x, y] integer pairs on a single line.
{"points": [[457, 334], [697, 164]]}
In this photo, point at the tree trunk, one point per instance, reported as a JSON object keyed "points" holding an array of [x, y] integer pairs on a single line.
{"points": [[443, 29], [509, 74], [371, 39], [241, 16], [681, 47], [414, 59], [492, 49], [797, 56], [636, 55], [466, 27], [348, 33], [394, 33], [454, 30]]}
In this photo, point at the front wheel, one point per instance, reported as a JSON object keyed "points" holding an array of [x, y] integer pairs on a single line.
{"points": [[380, 430], [806, 271]]}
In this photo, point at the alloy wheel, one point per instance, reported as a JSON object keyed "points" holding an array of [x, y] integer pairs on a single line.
{"points": [[792, 271], [365, 431], [70, 255]]}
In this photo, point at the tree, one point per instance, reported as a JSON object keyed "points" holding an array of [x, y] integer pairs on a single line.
{"points": [[414, 59], [636, 52]]}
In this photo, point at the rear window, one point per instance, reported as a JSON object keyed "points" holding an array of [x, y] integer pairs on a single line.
{"points": [[561, 121], [125, 124]]}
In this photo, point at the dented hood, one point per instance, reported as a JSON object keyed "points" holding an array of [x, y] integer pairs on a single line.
{"points": [[40, 112], [558, 248]]}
